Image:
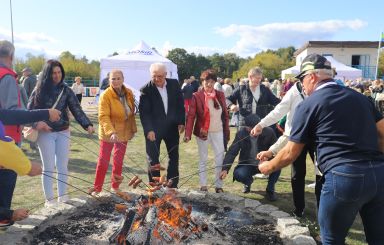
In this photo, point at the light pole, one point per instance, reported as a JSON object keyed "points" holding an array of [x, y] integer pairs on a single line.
{"points": [[10, 7]]}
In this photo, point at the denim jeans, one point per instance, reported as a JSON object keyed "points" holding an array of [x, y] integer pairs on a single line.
{"points": [[348, 189], [244, 173], [54, 152]]}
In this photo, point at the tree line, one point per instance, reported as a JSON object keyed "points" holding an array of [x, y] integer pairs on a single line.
{"points": [[227, 65]]}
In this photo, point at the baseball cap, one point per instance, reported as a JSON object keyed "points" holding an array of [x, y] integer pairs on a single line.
{"points": [[312, 62]]}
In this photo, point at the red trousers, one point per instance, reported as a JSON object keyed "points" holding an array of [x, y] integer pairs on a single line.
{"points": [[103, 162]]}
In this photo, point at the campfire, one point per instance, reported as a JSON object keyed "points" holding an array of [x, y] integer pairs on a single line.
{"points": [[159, 217]]}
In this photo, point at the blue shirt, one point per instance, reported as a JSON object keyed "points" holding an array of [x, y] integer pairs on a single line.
{"points": [[341, 122]]}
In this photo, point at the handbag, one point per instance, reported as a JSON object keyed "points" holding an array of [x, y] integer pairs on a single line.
{"points": [[31, 133]]}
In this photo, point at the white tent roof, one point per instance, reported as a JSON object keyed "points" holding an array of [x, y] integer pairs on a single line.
{"points": [[344, 72], [135, 66]]}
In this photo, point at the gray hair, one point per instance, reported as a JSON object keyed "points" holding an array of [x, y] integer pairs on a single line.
{"points": [[6, 49], [157, 67], [255, 71], [323, 73]]}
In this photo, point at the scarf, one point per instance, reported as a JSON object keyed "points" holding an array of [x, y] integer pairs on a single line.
{"points": [[207, 117], [123, 100]]}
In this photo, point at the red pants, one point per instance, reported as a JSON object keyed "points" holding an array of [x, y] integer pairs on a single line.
{"points": [[103, 162]]}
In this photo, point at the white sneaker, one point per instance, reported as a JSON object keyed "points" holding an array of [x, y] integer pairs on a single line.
{"points": [[63, 198], [50, 203], [115, 190], [261, 176], [312, 185]]}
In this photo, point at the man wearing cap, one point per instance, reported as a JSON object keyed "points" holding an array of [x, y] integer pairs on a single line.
{"points": [[29, 81], [349, 136]]}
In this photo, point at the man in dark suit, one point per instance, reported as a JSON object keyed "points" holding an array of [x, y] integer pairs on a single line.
{"points": [[162, 116]]}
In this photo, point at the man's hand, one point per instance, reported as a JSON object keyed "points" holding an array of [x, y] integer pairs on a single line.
{"points": [[257, 130], [223, 174], [42, 126], [114, 138], [90, 129], [35, 169], [265, 168], [264, 155], [20, 214], [151, 136], [181, 129], [54, 115], [234, 108]]}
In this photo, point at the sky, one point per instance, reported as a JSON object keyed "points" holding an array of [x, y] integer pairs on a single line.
{"points": [[98, 28]]}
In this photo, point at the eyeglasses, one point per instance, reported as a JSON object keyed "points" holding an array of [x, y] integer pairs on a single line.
{"points": [[302, 77]]}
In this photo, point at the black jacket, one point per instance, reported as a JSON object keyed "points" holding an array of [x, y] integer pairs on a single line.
{"points": [[151, 107], [67, 100], [242, 144], [242, 96]]}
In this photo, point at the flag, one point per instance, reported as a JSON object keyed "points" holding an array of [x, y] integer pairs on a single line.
{"points": [[382, 36]]}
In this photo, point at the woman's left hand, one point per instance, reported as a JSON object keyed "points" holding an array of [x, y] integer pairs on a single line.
{"points": [[90, 129]]}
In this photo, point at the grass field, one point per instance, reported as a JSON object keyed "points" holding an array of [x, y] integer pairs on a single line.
{"points": [[82, 163]]}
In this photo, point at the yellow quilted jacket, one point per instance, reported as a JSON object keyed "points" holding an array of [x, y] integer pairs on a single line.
{"points": [[112, 116]]}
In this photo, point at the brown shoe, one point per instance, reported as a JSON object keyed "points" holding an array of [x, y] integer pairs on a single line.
{"points": [[203, 188], [219, 190]]}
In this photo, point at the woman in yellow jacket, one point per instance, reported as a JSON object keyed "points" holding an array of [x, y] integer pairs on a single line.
{"points": [[117, 125]]}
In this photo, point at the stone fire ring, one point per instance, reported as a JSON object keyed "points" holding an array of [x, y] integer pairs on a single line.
{"points": [[291, 232]]}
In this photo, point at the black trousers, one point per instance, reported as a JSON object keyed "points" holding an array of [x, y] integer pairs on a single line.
{"points": [[79, 97], [171, 140], [7, 186], [298, 172]]}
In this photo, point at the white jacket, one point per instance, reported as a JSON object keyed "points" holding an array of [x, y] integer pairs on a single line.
{"points": [[287, 106]]}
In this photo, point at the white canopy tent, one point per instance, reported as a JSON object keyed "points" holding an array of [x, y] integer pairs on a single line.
{"points": [[344, 72], [135, 66]]}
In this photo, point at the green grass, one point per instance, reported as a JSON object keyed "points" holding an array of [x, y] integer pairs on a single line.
{"points": [[82, 163]]}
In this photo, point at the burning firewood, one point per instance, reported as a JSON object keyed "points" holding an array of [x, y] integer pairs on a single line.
{"points": [[121, 208]]}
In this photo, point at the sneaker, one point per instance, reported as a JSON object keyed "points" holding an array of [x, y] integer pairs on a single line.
{"points": [[203, 188], [246, 189], [271, 196], [219, 190], [115, 190], [50, 203], [63, 198], [261, 176], [313, 185], [298, 213], [6, 223]]}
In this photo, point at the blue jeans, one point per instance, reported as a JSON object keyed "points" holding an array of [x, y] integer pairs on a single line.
{"points": [[54, 152], [348, 189], [244, 173]]}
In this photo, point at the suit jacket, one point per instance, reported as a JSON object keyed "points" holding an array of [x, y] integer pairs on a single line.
{"points": [[196, 111], [151, 107]]}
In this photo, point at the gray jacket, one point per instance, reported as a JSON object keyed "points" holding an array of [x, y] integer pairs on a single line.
{"points": [[29, 83], [8, 92]]}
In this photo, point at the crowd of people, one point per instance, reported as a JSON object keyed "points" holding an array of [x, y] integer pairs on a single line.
{"points": [[318, 109]]}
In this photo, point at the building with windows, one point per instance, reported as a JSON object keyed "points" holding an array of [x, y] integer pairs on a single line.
{"points": [[358, 54]]}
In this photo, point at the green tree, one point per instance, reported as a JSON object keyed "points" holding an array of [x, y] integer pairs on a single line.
{"points": [[380, 70], [181, 58]]}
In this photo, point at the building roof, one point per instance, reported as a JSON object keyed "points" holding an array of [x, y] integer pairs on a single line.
{"points": [[337, 44]]}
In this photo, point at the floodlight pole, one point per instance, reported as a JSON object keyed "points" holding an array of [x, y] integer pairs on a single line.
{"points": [[10, 7]]}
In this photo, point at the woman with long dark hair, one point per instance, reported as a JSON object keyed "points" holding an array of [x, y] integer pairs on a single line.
{"points": [[53, 140]]}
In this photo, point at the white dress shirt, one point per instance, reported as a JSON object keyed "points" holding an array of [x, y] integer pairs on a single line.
{"points": [[164, 96]]}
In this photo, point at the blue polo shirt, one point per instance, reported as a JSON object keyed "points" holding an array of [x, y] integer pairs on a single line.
{"points": [[341, 122]]}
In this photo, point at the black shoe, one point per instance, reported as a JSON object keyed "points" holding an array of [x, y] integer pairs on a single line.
{"points": [[246, 189], [298, 213], [271, 196]]}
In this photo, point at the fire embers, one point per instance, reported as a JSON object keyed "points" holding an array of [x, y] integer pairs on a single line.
{"points": [[157, 219]]}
